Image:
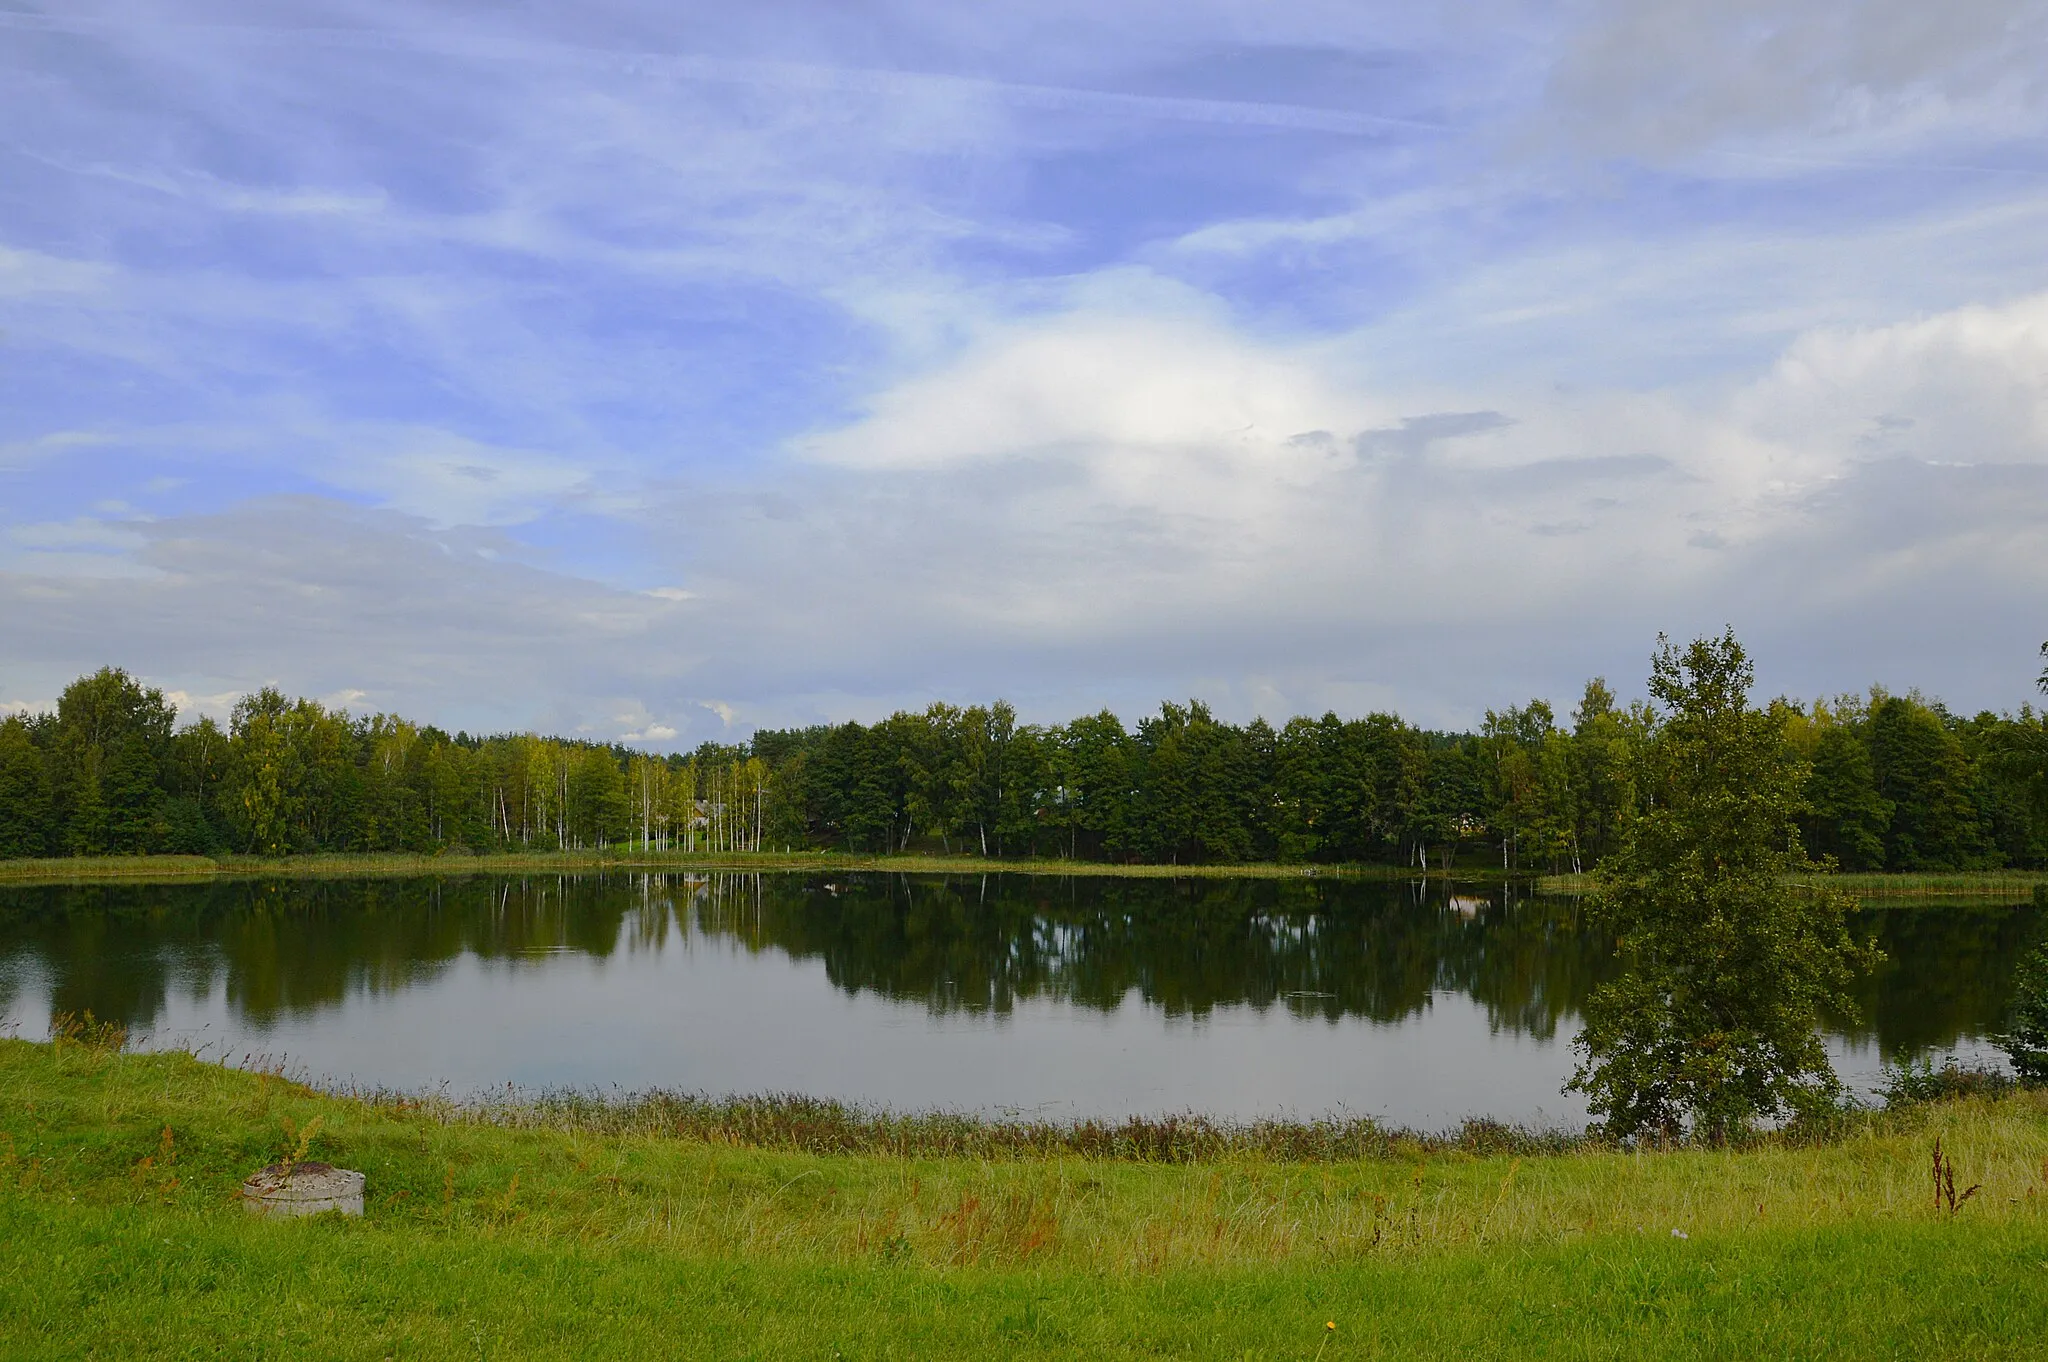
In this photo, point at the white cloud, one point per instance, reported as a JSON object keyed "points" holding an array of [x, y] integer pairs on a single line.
{"points": [[24, 454], [649, 734], [446, 478], [1146, 391], [83, 547], [33, 275], [1486, 543], [217, 706], [370, 608], [1125, 489], [1968, 385], [1841, 77]]}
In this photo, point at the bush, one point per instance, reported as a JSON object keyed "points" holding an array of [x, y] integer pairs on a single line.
{"points": [[1911, 1084], [2025, 1039]]}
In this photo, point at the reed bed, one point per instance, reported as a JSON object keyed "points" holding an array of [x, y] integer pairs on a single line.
{"points": [[810, 1125], [78, 869], [1959, 886]]}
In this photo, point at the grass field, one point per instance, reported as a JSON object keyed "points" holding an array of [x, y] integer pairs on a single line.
{"points": [[546, 1237]]}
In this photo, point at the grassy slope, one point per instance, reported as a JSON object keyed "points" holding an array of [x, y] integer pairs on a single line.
{"points": [[117, 1240]]}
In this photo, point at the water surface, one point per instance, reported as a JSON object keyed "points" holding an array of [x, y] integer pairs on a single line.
{"points": [[1048, 996]]}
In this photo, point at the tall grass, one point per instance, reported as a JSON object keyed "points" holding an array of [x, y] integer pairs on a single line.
{"points": [[822, 1126], [565, 1230], [764, 1181], [338, 864], [2008, 886]]}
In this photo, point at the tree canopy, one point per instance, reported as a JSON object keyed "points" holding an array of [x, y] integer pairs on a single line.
{"points": [[1887, 782]]}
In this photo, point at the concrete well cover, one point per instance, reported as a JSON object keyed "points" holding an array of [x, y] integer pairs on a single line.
{"points": [[304, 1189]]}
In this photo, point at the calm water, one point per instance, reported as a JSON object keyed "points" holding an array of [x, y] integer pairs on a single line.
{"points": [[1045, 996]]}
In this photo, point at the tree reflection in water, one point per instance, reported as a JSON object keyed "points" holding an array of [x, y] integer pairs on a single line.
{"points": [[1317, 947]]}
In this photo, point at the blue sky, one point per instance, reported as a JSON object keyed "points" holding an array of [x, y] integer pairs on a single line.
{"points": [[658, 371]]}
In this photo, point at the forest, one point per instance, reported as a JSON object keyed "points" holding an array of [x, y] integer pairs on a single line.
{"points": [[1892, 782]]}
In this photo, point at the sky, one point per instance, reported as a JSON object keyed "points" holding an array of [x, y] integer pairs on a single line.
{"points": [[652, 372]]}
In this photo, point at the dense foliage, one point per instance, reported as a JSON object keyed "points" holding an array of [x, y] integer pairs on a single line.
{"points": [[1888, 782], [1731, 948], [2025, 1036]]}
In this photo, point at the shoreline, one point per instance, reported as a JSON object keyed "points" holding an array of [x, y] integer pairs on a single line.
{"points": [[179, 869], [119, 1224], [1923, 888]]}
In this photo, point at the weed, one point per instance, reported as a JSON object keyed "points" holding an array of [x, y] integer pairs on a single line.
{"points": [[162, 1163], [88, 1032], [1945, 1182], [299, 1142]]}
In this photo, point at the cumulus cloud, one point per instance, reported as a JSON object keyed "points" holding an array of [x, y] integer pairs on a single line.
{"points": [[1162, 380], [1071, 507]]}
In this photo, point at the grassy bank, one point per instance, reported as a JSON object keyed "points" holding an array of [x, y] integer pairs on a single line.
{"points": [[169, 869], [549, 1236], [1959, 886], [2011, 886]]}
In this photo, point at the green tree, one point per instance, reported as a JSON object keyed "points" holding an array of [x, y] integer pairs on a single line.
{"points": [[198, 763], [2025, 1037], [1520, 802], [1098, 790], [1195, 779], [270, 774], [1921, 768], [112, 736], [935, 773], [24, 792], [1731, 947], [599, 812], [1599, 762], [1849, 816]]}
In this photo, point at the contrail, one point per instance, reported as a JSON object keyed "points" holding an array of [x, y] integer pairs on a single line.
{"points": [[767, 74]]}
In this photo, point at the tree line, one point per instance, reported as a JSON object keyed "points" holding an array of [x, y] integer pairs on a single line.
{"points": [[1886, 782]]}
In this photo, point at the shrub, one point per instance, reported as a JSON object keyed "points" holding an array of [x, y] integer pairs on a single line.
{"points": [[2025, 1038]]}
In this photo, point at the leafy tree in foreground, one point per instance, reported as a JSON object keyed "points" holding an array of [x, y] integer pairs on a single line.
{"points": [[2025, 1039], [1731, 949]]}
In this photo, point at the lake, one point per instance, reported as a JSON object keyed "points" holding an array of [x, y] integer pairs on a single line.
{"points": [[1047, 996]]}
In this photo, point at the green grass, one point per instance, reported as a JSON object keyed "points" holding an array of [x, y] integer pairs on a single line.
{"points": [[65, 869], [1961, 886], [1928, 888], [544, 1237]]}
